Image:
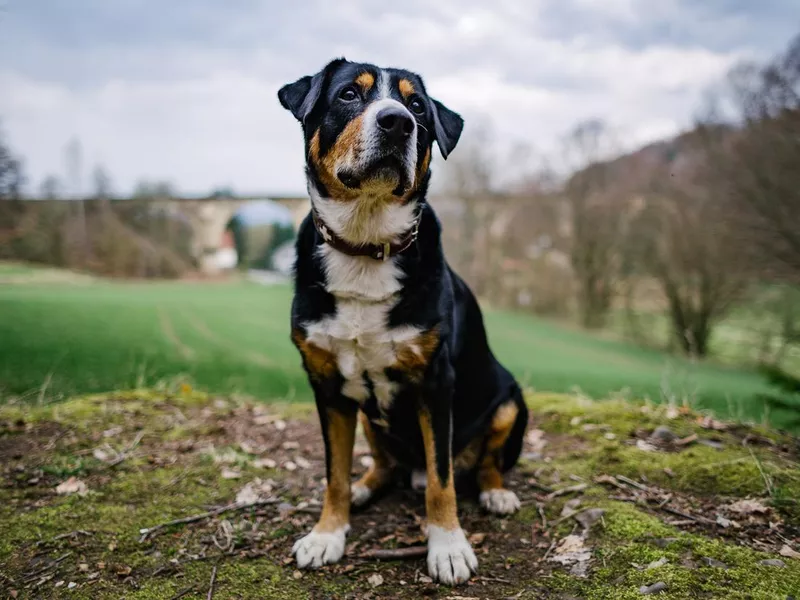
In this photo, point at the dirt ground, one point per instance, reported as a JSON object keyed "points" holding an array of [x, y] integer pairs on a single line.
{"points": [[166, 494]]}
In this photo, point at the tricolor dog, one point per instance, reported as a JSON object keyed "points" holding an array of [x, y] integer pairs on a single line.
{"points": [[388, 333]]}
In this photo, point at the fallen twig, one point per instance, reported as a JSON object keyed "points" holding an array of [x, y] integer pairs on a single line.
{"points": [[395, 553], [64, 535], [210, 595], [183, 592], [680, 513], [146, 532], [568, 516], [540, 486], [567, 490], [127, 452], [632, 483], [550, 549], [542, 515]]}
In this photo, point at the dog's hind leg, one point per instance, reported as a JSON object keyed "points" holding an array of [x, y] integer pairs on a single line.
{"points": [[503, 442], [379, 473]]}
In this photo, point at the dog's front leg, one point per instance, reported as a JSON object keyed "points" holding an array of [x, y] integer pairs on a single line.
{"points": [[450, 556], [325, 543]]}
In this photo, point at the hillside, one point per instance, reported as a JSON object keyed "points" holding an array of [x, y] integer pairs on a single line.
{"points": [[176, 493], [73, 337]]}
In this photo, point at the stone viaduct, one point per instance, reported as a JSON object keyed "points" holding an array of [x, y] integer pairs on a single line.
{"points": [[209, 217]]}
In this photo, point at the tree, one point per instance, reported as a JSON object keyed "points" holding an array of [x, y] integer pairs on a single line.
{"points": [[684, 239], [51, 188], [102, 183], [596, 220], [758, 166], [11, 176]]}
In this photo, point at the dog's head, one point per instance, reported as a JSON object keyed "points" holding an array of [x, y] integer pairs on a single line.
{"points": [[368, 131]]}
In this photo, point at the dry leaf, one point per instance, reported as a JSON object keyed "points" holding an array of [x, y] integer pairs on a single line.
{"points": [[748, 507], [787, 551], [657, 563], [280, 424], [535, 439], [476, 539], [72, 486], [375, 580], [571, 550], [264, 463], [588, 518], [366, 461], [230, 473], [302, 463], [289, 466]]}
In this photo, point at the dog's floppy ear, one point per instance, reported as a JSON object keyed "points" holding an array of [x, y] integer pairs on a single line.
{"points": [[301, 96], [447, 127]]}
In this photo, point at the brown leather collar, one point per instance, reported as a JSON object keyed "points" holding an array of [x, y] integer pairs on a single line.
{"points": [[380, 252]]}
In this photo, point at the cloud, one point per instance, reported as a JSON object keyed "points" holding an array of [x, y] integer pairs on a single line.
{"points": [[189, 93]]}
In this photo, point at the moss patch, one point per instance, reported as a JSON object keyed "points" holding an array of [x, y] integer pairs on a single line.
{"points": [[184, 452]]}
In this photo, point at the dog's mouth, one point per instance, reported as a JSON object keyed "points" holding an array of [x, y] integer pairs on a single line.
{"points": [[385, 170]]}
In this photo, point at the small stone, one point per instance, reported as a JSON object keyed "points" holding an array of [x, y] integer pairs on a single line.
{"points": [[713, 562], [723, 522], [375, 580], [656, 588], [60, 583], [302, 463], [570, 506], [425, 579], [297, 575], [366, 461], [290, 445], [589, 517], [663, 434], [83, 567], [610, 436], [280, 424], [230, 474], [264, 463], [658, 563], [787, 551], [664, 542], [773, 562], [289, 466], [72, 485], [72, 585], [645, 446]]}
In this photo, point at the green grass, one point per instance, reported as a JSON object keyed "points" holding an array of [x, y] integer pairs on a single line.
{"points": [[58, 340]]}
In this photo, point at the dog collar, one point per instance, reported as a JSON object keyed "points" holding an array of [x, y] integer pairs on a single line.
{"points": [[382, 252]]}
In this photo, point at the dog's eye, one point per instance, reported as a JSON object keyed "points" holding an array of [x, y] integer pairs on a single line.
{"points": [[348, 94], [416, 106]]}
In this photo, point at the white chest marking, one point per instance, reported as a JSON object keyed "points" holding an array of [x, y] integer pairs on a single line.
{"points": [[358, 335]]}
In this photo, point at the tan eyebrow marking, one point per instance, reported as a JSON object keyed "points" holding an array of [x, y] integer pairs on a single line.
{"points": [[365, 81], [406, 88]]}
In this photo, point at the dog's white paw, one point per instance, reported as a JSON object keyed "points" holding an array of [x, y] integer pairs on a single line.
{"points": [[359, 494], [419, 480], [317, 549], [500, 501], [450, 557]]}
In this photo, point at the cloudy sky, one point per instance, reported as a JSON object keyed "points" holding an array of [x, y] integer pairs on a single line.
{"points": [[185, 90]]}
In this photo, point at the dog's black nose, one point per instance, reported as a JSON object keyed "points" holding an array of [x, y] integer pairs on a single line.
{"points": [[396, 123]]}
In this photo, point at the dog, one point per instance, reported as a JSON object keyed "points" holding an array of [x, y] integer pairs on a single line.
{"points": [[388, 333]]}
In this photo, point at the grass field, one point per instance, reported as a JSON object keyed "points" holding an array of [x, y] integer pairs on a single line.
{"points": [[59, 339]]}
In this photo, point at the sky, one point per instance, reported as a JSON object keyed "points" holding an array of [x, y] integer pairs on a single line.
{"points": [[186, 90]]}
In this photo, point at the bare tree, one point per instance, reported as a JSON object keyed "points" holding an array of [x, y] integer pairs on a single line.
{"points": [[102, 183], [758, 166], [596, 220], [685, 240], [11, 177], [51, 188]]}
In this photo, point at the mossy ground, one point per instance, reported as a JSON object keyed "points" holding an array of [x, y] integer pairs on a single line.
{"points": [[184, 452]]}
